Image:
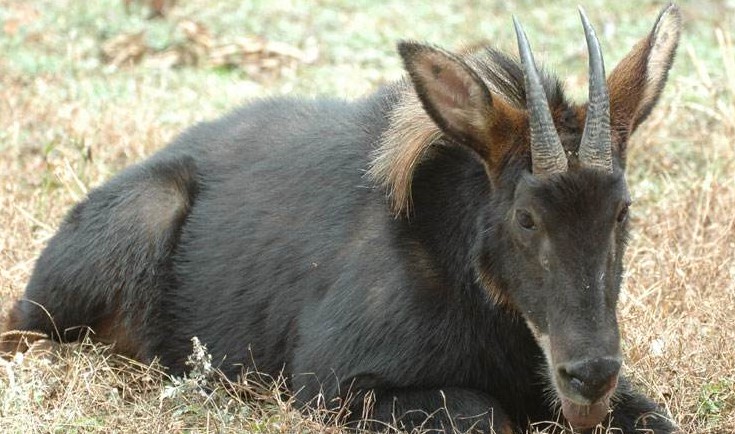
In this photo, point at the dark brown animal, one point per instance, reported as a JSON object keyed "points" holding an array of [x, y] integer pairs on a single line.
{"points": [[450, 246]]}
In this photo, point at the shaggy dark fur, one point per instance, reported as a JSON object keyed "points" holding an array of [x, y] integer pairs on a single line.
{"points": [[261, 234]]}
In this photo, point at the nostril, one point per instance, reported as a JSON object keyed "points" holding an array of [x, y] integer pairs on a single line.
{"points": [[572, 376], [590, 378], [575, 382]]}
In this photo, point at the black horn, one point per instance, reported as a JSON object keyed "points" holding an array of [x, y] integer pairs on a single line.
{"points": [[595, 150], [547, 153]]}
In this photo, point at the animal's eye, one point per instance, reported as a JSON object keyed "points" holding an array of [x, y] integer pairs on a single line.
{"points": [[525, 219], [623, 213]]}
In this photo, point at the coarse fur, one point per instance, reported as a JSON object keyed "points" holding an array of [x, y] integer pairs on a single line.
{"points": [[396, 249]]}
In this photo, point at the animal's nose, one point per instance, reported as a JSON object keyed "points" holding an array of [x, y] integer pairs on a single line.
{"points": [[592, 379]]}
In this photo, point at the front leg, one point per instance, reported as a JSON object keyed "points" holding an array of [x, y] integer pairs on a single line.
{"points": [[445, 410], [633, 413]]}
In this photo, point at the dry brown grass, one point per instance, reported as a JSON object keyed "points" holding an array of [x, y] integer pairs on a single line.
{"points": [[680, 303], [66, 126], [87, 388]]}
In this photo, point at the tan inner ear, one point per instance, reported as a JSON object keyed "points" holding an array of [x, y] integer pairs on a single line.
{"points": [[626, 83], [458, 96], [637, 81], [493, 124], [454, 90], [412, 132], [665, 41]]}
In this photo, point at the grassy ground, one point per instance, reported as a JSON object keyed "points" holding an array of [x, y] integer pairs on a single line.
{"points": [[87, 88]]}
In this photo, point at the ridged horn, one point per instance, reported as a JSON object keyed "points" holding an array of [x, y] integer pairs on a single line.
{"points": [[595, 150], [547, 153]]}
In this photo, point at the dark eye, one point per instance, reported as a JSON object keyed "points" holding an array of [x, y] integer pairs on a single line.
{"points": [[623, 213], [525, 220]]}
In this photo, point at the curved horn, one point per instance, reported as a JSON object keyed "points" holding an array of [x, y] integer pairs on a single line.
{"points": [[595, 150], [547, 153]]}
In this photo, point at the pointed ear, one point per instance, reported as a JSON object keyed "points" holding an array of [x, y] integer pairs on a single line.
{"points": [[638, 80], [459, 102]]}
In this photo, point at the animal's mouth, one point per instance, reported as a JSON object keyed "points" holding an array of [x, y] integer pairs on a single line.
{"points": [[582, 416], [586, 412], [584, 387]]}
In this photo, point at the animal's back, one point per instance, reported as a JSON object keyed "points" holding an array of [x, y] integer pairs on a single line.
{"points": [[282, 202], [214, 233]]}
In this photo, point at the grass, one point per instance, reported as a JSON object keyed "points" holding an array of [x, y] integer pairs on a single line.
{"points": [[69, 119], [86, 388]]}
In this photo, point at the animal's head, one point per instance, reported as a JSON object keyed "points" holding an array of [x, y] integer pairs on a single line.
{"points": [[560, 200]]}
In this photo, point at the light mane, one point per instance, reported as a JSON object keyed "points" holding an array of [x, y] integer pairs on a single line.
{"points": [[412, 132], [401, 148]]}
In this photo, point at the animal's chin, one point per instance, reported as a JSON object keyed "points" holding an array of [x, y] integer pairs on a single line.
{"points": [[585, 416]]}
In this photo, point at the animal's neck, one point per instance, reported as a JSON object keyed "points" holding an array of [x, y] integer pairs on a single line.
{"points": [[449, 189]]}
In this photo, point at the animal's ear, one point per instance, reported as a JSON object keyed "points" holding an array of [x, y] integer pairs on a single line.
{"points": [[638, 80], [457, 99]]}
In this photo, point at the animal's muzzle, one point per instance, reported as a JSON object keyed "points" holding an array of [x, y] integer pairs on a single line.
{"points": [[590, 380]]}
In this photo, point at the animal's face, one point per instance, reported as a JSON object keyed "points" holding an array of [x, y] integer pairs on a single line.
{"points": [[555, 235], [567, 237]]}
